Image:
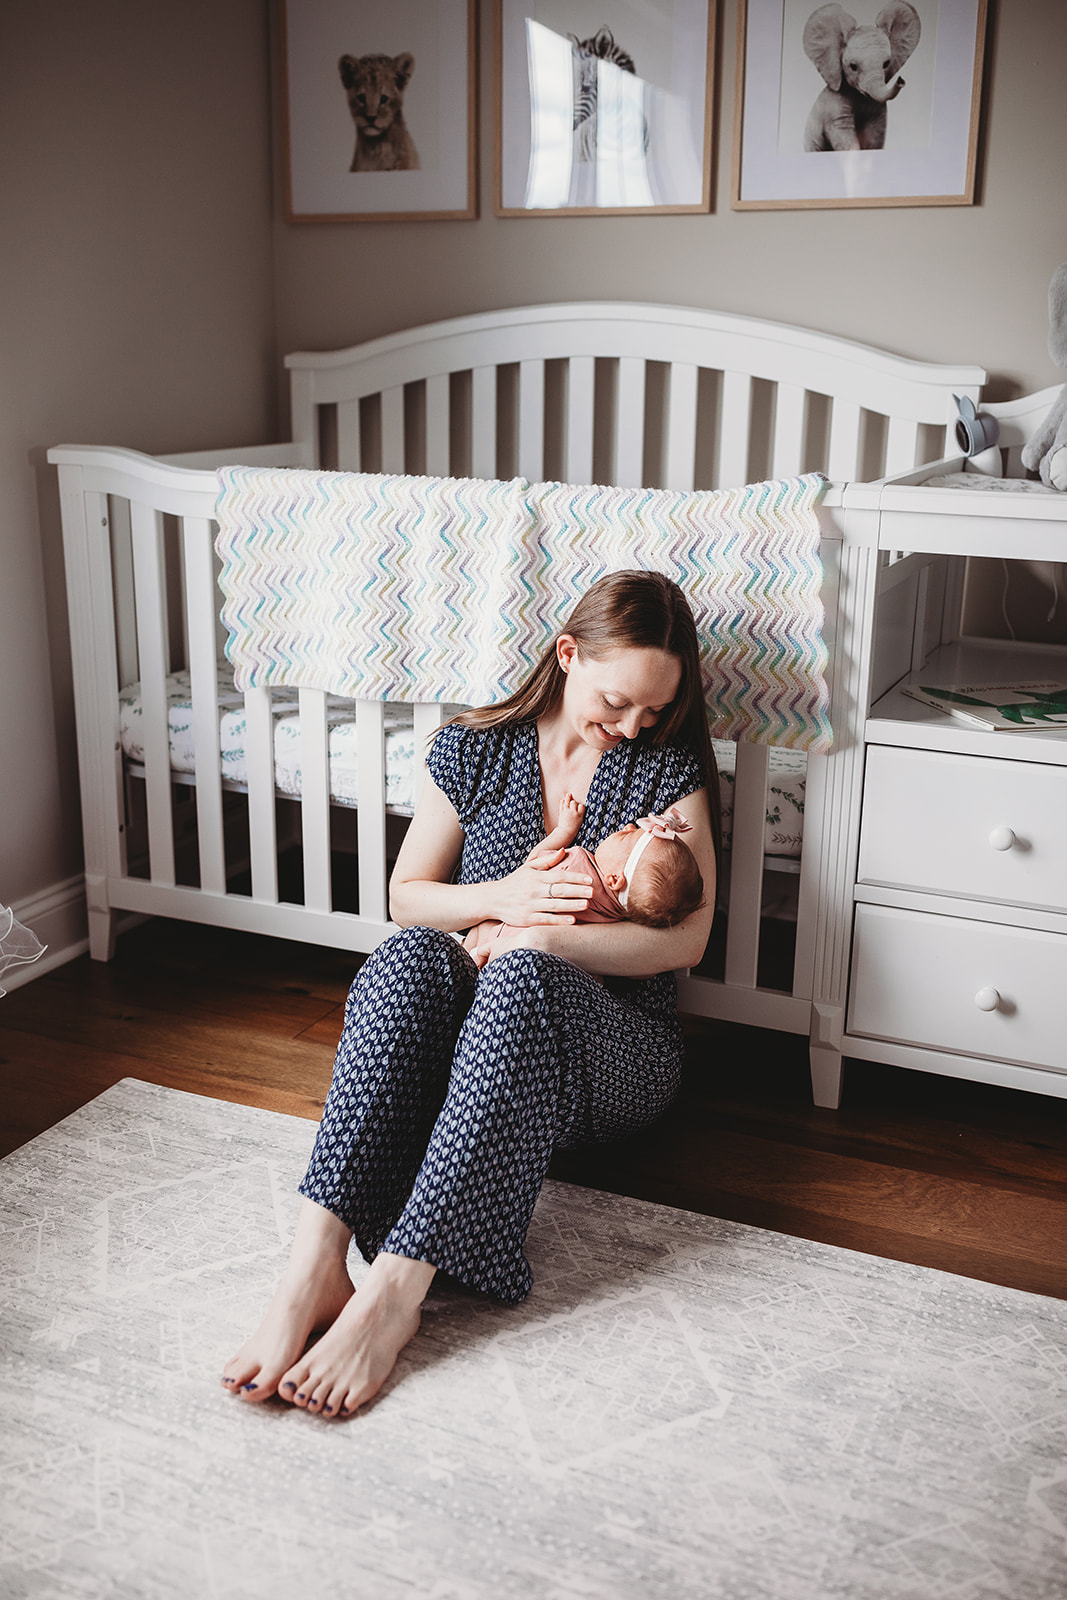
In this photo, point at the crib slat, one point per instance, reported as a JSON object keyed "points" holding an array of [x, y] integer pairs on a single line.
{"points": [[901, 446], [150, 599], [202, 600], [393, 429], [581, 378], [429, 715], [844, 458], [746, 864], [733, 433], [370, 781], [532, 420], [630, 423], [437, 453], [483, 422], [262, 833], [349, 442], [315, 799], [788, 431], [122, 587], [681, 426]]}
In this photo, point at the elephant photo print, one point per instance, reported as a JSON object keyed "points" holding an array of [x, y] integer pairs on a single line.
{"points": [[870, 103]]}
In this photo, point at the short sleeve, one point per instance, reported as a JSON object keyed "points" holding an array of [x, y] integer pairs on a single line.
{"points": [[472, 766], [444, 761], [681, 775]]}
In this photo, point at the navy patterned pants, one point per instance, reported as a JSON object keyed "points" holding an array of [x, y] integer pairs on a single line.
{"points": [[452, 1087]]}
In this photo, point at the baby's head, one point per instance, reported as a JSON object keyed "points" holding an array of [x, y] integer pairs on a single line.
{"points": [[652, 870]]}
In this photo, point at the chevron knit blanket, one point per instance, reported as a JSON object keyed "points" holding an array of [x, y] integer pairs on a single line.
{"points": [[407, 588]]}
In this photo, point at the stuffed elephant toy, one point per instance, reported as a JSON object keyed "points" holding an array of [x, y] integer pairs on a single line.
{"points": [[859, 64], [1046, 452]]}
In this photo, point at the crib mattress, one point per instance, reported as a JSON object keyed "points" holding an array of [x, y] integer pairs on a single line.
{"points": [[785, 791]]}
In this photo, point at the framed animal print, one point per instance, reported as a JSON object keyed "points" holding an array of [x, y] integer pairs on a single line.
{"points": [[380, 107], [603, 107], [868, 103]]}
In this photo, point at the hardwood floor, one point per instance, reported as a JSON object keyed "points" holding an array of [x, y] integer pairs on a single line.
{"points": [[943, 1173]]}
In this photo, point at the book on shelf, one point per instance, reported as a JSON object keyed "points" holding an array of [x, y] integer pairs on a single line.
{"points": [[997, 706]]}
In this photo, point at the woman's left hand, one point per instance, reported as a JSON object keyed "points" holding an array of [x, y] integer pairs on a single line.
{"points": [[514, 939]]}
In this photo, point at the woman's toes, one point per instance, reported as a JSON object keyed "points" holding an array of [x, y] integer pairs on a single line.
{"points": [[296, 1384], [331, 1401]]}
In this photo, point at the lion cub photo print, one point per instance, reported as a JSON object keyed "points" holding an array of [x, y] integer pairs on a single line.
{"points": [[374, 86], [379, 103], [844, 87]]}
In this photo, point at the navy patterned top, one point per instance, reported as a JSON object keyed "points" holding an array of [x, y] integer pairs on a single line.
{"points": [[493, 779]]}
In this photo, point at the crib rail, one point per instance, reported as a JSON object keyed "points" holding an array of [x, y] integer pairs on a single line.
{"points": [[142, 584], [657, 396]]}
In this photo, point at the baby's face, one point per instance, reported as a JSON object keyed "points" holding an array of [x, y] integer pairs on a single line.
{"points": [[612, 853]]}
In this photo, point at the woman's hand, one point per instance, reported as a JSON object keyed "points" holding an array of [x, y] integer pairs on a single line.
{"points": [[537, 895], [514, 939]]}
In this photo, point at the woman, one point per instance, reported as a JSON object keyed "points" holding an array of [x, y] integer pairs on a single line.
{"points": [[452, 1086]]}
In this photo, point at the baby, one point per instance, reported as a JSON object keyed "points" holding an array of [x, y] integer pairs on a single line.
{"points": [[643, 873]]}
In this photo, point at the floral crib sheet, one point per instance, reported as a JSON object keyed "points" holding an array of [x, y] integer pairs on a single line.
{"points": [[785, 791]]}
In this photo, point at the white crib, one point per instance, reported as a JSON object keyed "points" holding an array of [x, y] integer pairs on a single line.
{"points": [[616, 393]]}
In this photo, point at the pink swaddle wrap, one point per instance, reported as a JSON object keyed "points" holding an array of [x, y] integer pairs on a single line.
{"points": [[604, 905]]}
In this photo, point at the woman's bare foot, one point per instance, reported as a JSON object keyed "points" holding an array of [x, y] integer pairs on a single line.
{"points": [[312, 1294], [356, 1354]]}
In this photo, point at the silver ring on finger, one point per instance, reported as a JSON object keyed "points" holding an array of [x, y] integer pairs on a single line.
{"points": [[552, 890]]}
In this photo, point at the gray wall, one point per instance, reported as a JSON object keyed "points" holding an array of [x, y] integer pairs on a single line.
{"points": [[147, 299], [136, 308]]}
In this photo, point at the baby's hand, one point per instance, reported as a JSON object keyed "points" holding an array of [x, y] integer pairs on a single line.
{"points": [[571, 812]]}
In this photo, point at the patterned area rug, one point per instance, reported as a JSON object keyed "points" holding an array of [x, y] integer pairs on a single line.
{"points": [[684, 1408]]}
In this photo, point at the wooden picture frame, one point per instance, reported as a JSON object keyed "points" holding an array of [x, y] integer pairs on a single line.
{"points": [[603, 107], [347, 58], [796, 156]]}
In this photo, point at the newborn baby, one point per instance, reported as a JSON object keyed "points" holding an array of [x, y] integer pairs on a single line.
{"points": [[643, 873]]}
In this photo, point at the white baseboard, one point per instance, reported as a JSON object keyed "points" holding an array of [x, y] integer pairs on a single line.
{"points": [[58, 917]]}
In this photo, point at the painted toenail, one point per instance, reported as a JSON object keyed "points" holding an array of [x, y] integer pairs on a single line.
{"points": [[300, 1396], [329, 1410], [250, 1386], [288, 1385]]}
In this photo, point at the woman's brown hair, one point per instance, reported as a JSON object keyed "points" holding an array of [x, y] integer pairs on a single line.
{"points": [[624, 610]]}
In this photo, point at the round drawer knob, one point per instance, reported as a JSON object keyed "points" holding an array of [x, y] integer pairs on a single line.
{"points": [[1002, 838], [987, 999]]}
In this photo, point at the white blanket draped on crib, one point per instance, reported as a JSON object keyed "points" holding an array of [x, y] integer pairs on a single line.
{"points": [[406, 588]]}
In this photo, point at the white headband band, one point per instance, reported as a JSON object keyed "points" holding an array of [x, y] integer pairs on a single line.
{"points": [[643, 842], [667, 826]]}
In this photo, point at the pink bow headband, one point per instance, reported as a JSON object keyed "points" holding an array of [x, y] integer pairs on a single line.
{"points": [[667, 825]]}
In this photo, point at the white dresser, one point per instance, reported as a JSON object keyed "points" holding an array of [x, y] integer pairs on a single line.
{"points": [[958, 859]]}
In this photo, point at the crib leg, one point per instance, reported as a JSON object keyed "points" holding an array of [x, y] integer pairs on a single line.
{"points": [[102, 935], [102, 919], [827, 1063]]}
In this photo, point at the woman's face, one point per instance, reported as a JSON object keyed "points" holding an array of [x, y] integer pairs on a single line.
{"points": [[611, 697]]}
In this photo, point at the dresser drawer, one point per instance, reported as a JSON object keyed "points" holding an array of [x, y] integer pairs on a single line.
{"points": [[976, 988], [965, 825]]}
